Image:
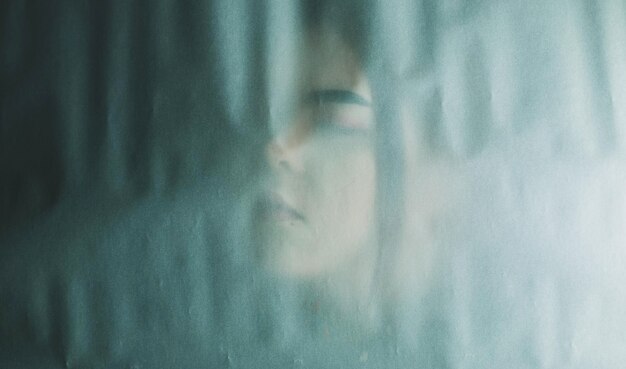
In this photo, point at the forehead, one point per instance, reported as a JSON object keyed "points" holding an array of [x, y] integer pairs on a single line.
{"points": [[329, 62]]}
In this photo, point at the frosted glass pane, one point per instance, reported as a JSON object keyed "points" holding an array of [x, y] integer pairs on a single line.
{"points": [[313, 184]]}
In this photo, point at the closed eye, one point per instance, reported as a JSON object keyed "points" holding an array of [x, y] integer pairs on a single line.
{"points": [[337, 97], [341, 110]]}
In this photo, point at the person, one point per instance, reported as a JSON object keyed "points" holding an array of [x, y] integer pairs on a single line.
{"points": [[328, 214]]}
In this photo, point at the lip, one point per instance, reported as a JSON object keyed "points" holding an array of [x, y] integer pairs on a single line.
{"points": [[272, 206]]}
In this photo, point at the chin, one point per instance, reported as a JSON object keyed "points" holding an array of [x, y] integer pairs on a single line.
{"points": [[284, 250]]}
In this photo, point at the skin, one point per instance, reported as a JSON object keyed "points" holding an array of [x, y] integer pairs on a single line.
{"points": [[321, 167]]}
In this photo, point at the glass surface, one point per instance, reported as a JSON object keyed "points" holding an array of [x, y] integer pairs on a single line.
{"points": [[313, 184]]}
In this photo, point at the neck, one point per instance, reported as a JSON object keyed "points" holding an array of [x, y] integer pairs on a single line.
{"points": [[345, 298]]}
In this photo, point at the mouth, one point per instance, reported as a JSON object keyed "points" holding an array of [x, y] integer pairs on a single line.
{"points": [[273, 207]]}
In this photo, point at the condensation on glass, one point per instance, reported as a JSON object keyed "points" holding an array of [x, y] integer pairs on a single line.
{"points": [[313, 184]]}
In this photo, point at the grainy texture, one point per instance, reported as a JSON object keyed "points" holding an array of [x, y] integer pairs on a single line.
{"points": [[130, 133]]}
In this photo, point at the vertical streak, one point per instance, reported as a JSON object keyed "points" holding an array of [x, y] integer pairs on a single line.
{"points": [[73, 81], [117, 66], [282, 54], [613, 24], [234, 37]]}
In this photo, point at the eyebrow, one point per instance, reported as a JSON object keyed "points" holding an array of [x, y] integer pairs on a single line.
{"points": [[338, 97]]}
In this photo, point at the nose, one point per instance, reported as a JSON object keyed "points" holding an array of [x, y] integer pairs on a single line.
{"points": [[284, 150]]}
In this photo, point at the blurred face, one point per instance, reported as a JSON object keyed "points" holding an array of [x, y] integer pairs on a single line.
{"points": [[315, 210]]}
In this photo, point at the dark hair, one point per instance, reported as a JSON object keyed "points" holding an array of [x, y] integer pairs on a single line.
{"points": [[351, 19]]}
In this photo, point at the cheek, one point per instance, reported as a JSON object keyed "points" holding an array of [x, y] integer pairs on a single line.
{"points": [[341, 198], [354, 195]]}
